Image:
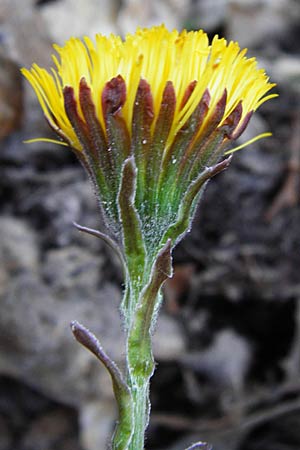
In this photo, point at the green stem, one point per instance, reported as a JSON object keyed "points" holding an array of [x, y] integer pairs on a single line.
{"points": [[140, 362], [137, 379], [140, 395]]}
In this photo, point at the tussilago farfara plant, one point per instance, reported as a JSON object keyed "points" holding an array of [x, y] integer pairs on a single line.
{"points": [[150, 118]]}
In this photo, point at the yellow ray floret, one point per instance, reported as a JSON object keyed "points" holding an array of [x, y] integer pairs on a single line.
{"points": [[156, 55]]}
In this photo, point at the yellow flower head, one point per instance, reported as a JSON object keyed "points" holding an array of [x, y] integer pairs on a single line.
{"points": [[157, 56], [165, 103]]}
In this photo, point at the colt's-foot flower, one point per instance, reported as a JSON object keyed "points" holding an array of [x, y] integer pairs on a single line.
{"points": [[150, 118]]}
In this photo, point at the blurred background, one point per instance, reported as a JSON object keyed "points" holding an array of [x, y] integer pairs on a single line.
{"points": [[227, 342]]}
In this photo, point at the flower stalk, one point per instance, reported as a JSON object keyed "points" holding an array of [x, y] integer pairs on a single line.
{"points": [[150, 118]]}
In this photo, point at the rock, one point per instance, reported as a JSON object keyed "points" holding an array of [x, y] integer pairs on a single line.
{"points": [[225, 362], [49, 431], [18, 245], [136, 13], [24, 34], [286, 71], [6, 438], [96, 16], [34, 328], [18, 249], [11, 96], [29, 420], [96, 422], [60, 203], [268, 19], [168, 340], [113, 18], [208, 15], [71, 269]]}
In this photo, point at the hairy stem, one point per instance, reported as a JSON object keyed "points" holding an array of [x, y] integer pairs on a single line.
{"points": [[141, 411]]}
